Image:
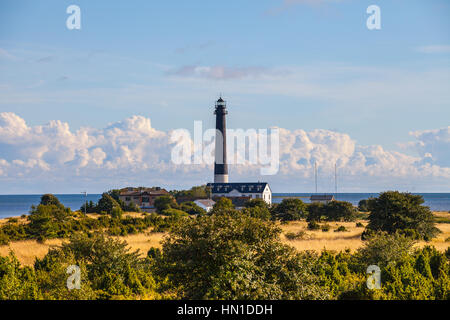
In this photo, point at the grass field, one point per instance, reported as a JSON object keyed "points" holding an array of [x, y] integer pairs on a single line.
{"points": [[26, 251]]}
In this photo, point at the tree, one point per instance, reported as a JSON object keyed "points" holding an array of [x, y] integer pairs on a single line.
{"points": [[258, 202], [363, 205], [258, 212], [165, 202], [221, 205], [393, 211], [382, 249], [340, 211], [315, 211], [50, 199], [109, 205], [49, 221], [192, 208], [291, 209], [234, 256]]}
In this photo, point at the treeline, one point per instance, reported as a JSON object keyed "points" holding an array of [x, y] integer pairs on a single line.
{"points": [[50, 219], [228, 255]]}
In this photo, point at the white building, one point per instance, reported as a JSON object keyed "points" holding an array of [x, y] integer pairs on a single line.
{"points": [[252, 190], [321, 198], [205, 204]]}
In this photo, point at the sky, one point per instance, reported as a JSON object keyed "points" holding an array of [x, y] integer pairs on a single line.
{"points": [[94, 108]]}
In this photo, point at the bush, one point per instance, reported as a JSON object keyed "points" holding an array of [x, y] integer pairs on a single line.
{"points": [[341, 229], [258, 212], [316, 211], [234, 256], [313, 225], [191, 208], [382, 248], [50, 199], [363, 205], [110, 206], [325, 228], [393, 211], [340, 211], [165, 202], [290, 210], [295, 235]]}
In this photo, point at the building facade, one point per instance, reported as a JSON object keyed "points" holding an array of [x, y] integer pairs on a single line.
{"points": [[321, 198], [144, 198], [249, 190]]}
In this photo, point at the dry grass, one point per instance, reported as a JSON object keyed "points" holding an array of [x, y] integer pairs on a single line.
{"points": [[318, 240], [26, 251]]}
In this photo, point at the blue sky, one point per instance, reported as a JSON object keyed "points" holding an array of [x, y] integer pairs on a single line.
{"points": [[295, 64]]}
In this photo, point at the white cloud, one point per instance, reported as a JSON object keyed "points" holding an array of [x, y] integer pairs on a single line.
{"points": [[132, 150]]}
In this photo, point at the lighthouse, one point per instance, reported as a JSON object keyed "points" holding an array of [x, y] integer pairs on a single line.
{"points": [[220, 163]]}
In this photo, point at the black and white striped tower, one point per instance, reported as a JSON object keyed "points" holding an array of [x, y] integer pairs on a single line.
{"points": [[220, 164]]}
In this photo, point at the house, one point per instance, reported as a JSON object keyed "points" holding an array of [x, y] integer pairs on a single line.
{"points": [[321, 198], [142, 197], [244, 190], [205, 204]]}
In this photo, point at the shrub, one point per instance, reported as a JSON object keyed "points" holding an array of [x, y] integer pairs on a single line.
{"points": [[108, 205], [258, 212], [165, 202], [315, 211], [295, 235], [359, 225], [191, 208], [341, 229], [234, 256], [313, 225], [290, 210], [393, 211], [363, 205], [325, 228], [382, 248], [340, 211], [50, 199]]}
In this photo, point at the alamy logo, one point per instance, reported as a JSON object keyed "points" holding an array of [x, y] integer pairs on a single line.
{"points": [[74, 20], [374, 278], [374, 20], [74, 280]]}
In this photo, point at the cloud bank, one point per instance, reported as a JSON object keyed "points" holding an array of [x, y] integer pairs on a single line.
{"points": [[131, 152]]}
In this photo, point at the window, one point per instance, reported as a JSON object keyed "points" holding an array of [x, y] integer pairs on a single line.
{"points": [[145, 199], [127, 199]]}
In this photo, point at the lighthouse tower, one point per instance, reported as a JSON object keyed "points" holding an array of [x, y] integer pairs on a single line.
{"points": [[220, 164]]}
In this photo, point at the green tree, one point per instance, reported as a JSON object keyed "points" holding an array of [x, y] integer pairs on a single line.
{"points": [[16, 282], [165, 202], [258, 212], [258, 202], [291, 209], [50, 199], [234, 256], [316, 211], [109, 205], [383, 249], [192, 208], [394, 211], [363, 205], [222, 204], [339, 211]]}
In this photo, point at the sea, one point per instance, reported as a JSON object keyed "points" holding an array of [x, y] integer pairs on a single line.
{"points": [[17, 205]]}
